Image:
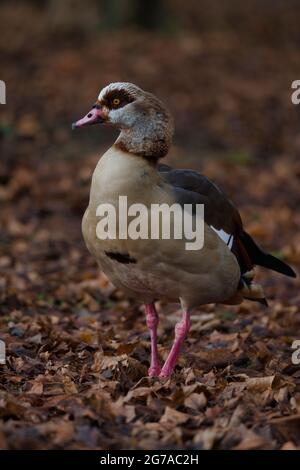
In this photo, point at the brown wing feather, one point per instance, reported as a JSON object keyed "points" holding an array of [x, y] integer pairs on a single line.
{"points": [[192, 187]]}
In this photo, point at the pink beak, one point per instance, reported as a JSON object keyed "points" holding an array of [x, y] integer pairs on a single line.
{"points": [[95, 116]]}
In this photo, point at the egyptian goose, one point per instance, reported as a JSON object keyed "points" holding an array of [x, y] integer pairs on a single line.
{"points": [[154, 269]]}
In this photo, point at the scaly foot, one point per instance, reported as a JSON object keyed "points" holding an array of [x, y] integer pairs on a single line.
{"points": [[165, 373], [154, 371]]}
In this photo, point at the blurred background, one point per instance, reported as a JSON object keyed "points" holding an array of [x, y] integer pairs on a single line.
{"points": [[225, 70]]}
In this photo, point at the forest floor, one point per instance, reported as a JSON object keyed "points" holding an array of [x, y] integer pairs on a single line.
{"points": [[77, 348]]}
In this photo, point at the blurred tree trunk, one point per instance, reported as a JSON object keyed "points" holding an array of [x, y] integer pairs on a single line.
{"points": [[73, 15], [143, 14], [151, 14]]}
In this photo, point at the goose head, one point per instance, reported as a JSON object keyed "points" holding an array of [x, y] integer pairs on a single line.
{"points": [[144, 121]]}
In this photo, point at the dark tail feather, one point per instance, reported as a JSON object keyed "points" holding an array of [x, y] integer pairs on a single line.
{"points": [[259, 257]]}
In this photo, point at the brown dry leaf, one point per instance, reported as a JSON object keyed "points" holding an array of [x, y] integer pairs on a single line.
{"points": [[289, 446], [196, 401], [64, 432], [119, 409], [97, 361], [137, 393], [69, 385], [288, 427], [37, 385], [126, 348], [206, 438], [173, 417], [87, 336], [28, 126], [214, 357], [12, 407], [252, 441], [3, 441], [37, 388], [261, 384]]}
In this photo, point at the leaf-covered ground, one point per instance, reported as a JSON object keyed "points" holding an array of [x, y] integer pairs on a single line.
{"points": [[77, 349]]}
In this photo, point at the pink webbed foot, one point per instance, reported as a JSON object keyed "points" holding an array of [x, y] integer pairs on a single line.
{"points": [[166, 372], [181, 330]]}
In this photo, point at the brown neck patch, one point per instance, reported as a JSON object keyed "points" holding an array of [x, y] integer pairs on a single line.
{"points": [[151, 157], [147, 130]]}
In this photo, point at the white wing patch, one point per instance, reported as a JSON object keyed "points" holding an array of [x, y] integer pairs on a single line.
{"points": [[226, 237]]}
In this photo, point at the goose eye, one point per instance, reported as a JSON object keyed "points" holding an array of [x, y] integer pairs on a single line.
{"points": [[116, 101]]}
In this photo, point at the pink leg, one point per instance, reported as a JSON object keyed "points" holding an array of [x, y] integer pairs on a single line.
{"points": [[152, 322], [181, 330]]}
